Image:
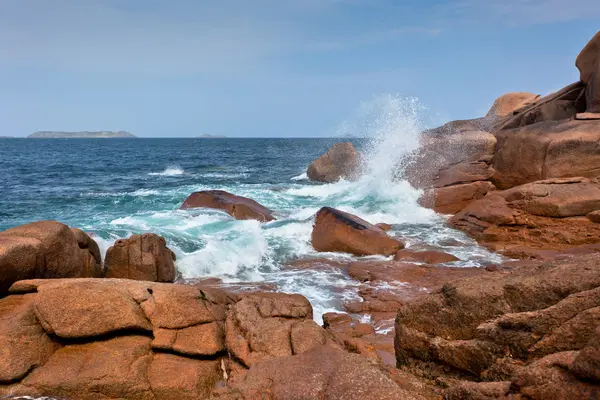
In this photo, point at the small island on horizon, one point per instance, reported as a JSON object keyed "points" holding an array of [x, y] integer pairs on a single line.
{"points": [[80, 135], [208, 136]]}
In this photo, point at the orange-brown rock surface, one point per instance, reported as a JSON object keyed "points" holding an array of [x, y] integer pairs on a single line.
{"points": [[546, 214], [46, 249], [341, 161], [338, 231], [237, 206], [516, 328], [126, 339], [143, 257], [588, 63]]}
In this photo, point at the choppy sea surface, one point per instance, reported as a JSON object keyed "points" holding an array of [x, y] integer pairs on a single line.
{"points": [[113, 188]]}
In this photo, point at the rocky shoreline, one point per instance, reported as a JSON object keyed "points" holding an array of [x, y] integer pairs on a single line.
{"points": [[523, 181]]}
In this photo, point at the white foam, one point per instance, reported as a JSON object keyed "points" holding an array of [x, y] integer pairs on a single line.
{"points": [[301, 177], [169, 171], [145, 192]]}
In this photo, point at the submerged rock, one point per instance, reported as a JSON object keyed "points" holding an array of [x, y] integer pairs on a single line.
{"points": [[338, 231], [237, 206], [427, 257], [143, 257], [340, 161], [46, 249]]}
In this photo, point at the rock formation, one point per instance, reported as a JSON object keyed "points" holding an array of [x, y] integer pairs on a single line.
{"points": [[337, 231], [532, 331], [143, 257], [340, 161], [237, 206], [46, 249], [124, 339]]}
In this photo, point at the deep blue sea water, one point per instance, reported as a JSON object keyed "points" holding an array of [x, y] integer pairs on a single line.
{"points": [[114, 188]]}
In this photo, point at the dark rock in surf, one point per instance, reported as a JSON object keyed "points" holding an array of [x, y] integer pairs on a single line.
{"points": [[338, 231], [143, 257], [340, 161], [237, 206]]}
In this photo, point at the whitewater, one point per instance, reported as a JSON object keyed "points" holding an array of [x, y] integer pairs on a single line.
{"points": [[135, 186]]}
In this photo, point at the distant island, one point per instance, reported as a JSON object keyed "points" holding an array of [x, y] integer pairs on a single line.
{"points": [[80, 135], [6, 137], [207, 136]]}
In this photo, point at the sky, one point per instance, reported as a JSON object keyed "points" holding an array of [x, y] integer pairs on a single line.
{"points": [[273, 68]]}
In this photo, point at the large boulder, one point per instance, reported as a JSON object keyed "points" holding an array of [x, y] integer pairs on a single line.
{"points": [[338, 231], [551, 149], [340, 161], [564, 104], [237, 206], [46, 249], [546, 214], [588, 63], [143, 257], [510, 102]]}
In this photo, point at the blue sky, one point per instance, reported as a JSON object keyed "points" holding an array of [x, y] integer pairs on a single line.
{"points": [[273, 67]]}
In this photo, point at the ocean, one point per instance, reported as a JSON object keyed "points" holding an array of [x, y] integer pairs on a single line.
{"points": [[113, 188]]}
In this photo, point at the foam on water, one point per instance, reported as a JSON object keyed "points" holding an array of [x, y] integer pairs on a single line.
{"points": [[169, 171], [210, 243]]}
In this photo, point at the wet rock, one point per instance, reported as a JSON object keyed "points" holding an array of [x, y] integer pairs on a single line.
{"points": [[588, 63], [551, 149], [541, 215], [478, 391], [427, 257], [337, 231], [143, 257], [46, 249], [384, 227], [237, 206], [340, 161], [324, 372]]}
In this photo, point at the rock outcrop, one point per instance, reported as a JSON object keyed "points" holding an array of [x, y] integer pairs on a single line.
{"points": [[143, 257], [338, 231], [46, 249], [546, 214], [341, 161], [125, 339], [552, 149], [508, 103], [427, 257], [237, 206], [588, 63], [453, 169], [514, 328]]}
